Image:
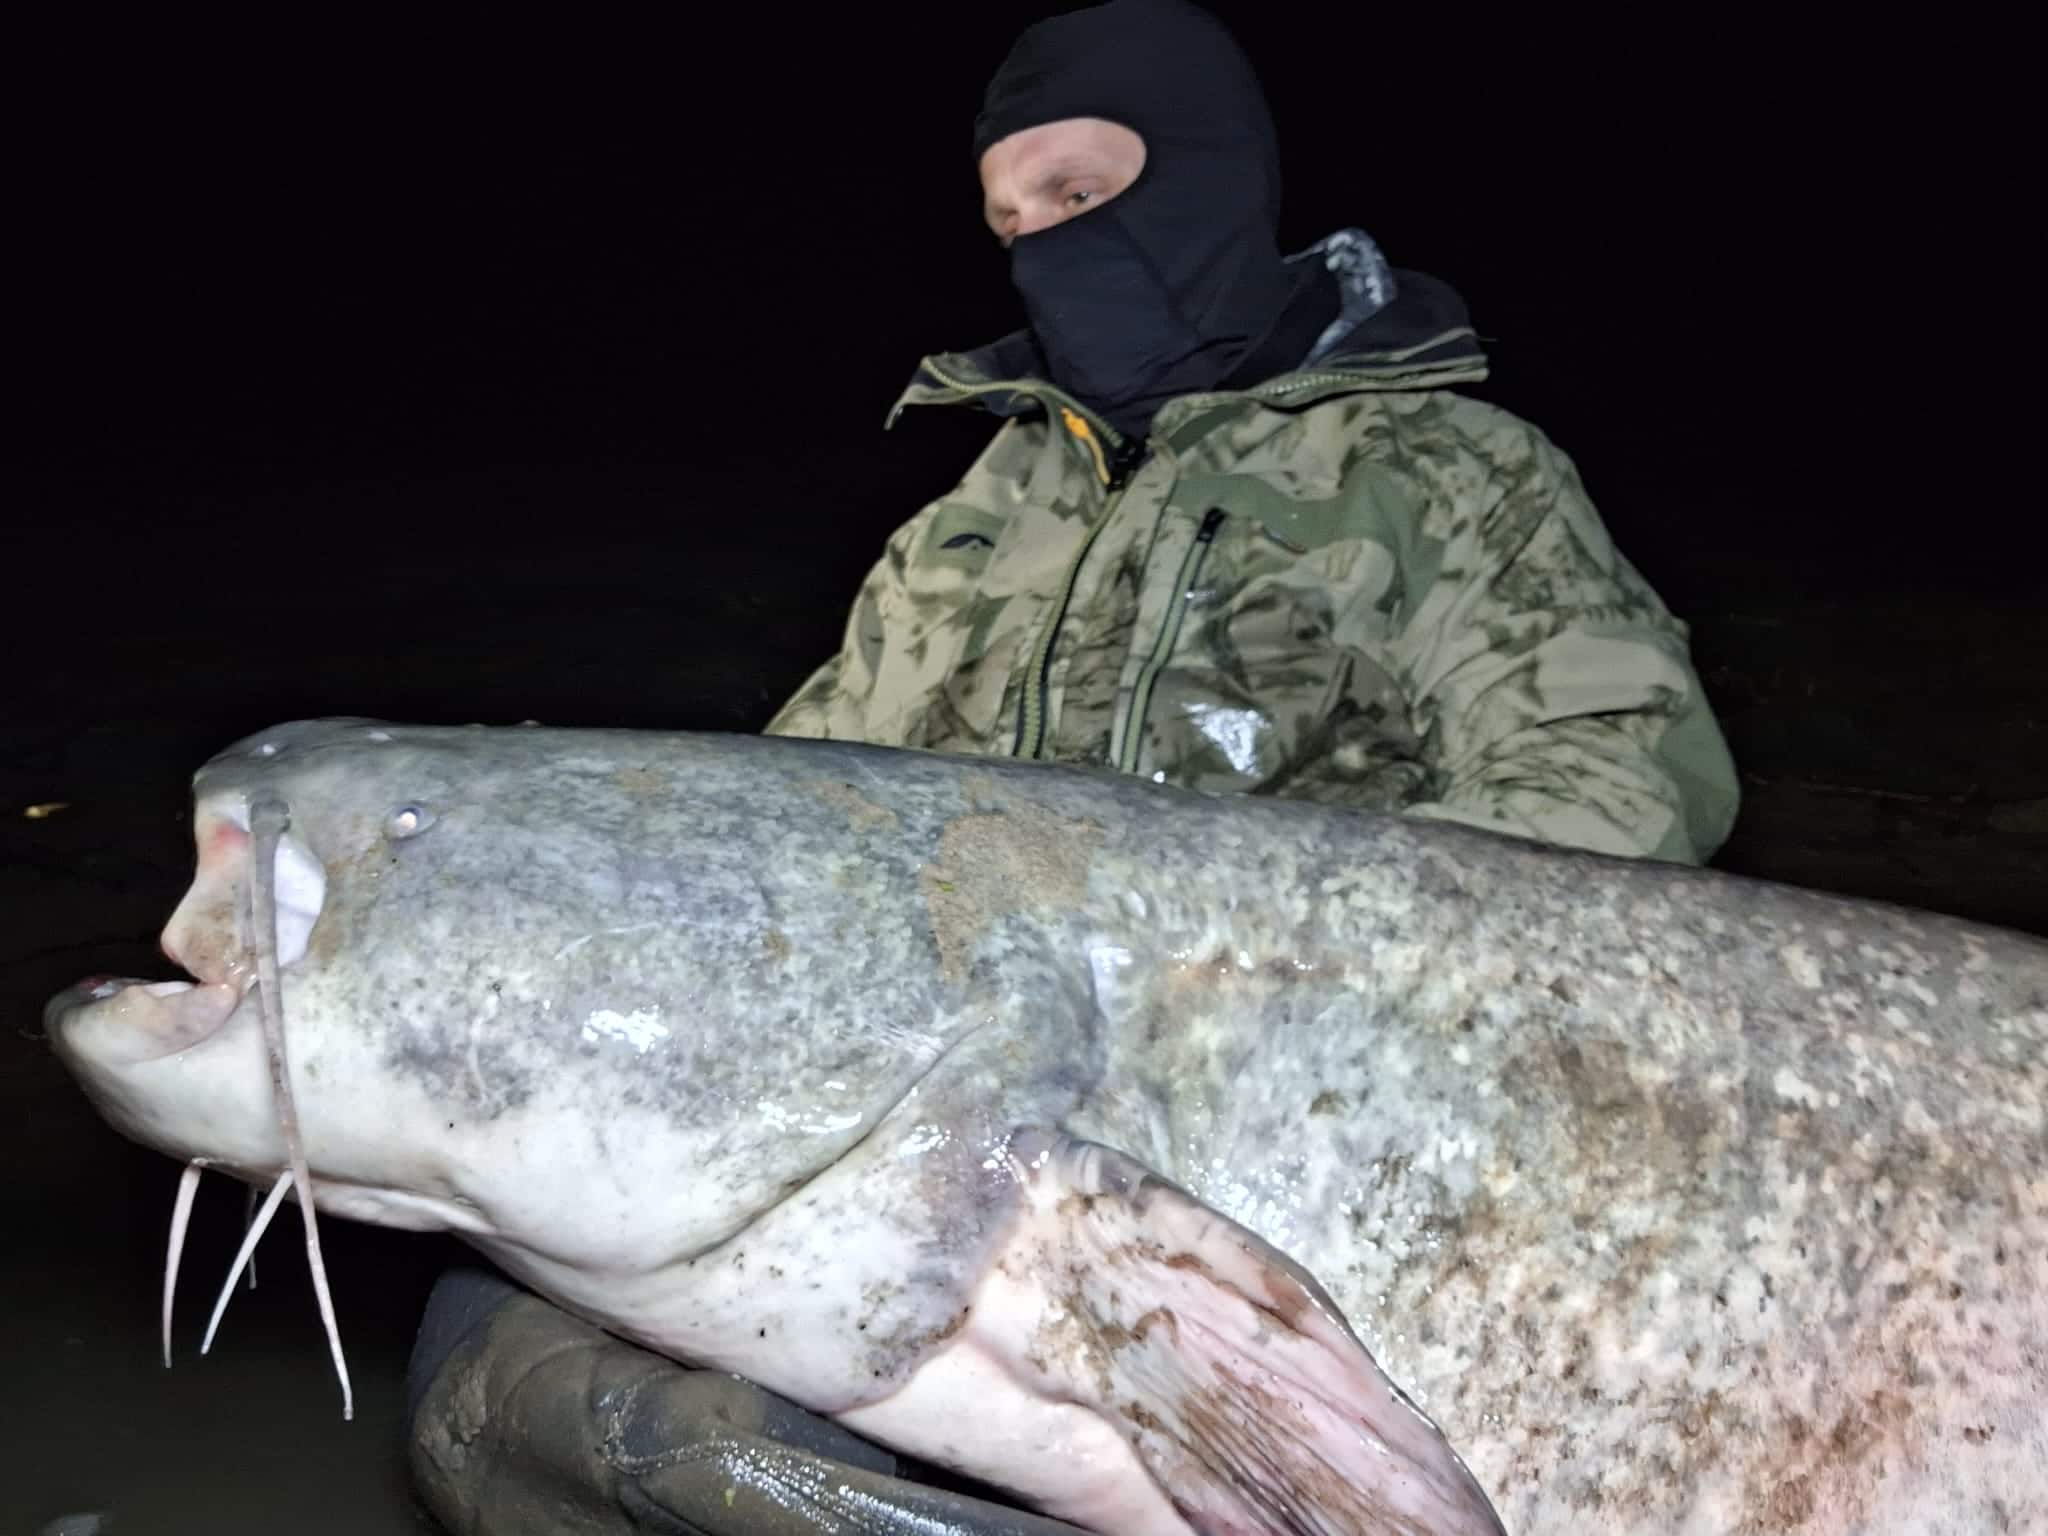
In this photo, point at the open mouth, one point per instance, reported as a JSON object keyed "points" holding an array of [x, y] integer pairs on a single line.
{"points": [[126, 1021], [212, 933], [248, 914]]}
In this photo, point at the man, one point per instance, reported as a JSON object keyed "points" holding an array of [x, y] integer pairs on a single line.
{"points": [[1235, 532]]}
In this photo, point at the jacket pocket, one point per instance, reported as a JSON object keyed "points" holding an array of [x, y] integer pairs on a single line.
{"points": [[1274, 653], [959, 540]]}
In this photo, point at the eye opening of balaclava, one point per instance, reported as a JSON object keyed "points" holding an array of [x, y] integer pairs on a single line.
{"points": [[1170, 287]]}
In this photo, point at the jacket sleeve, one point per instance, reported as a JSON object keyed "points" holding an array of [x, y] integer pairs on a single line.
{"points": [[891, 681], [1553, 692], [839, 698]]}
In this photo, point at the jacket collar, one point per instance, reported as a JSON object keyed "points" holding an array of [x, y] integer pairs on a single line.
{"points": [[1395, 330]]}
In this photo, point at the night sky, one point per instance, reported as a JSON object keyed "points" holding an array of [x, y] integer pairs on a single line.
{"points": [[494, 375], [299, 263]]}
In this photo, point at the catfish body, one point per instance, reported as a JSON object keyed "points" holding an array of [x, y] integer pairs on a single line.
{"points": [[1176, 1162]]}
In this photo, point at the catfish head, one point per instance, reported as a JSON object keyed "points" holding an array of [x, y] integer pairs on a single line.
{"points": [[760, 1053], [561, 993]]}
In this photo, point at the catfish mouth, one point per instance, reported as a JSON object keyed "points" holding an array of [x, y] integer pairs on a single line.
{"points": [[248, 914], [212, 932], [124, 1021]]}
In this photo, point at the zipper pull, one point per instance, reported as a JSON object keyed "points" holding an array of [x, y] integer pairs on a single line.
{"points": [[1211, 521]]}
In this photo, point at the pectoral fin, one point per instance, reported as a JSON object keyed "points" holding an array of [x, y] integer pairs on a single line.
{"points": [[1219, 1360]]}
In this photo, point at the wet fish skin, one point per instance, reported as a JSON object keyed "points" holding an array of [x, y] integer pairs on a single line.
{"points": [[1677, 1201]]}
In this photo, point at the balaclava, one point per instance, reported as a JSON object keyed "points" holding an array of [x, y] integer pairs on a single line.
{"points": [[1172, 286]]}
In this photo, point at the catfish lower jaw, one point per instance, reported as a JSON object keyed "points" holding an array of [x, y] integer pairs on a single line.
{"points": [[127, 1022]]}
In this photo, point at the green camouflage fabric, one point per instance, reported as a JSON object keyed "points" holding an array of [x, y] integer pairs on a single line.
{"points": [[1350, 584]]}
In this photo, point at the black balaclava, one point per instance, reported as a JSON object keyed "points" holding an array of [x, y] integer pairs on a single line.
{"points": [[1176, 284]]}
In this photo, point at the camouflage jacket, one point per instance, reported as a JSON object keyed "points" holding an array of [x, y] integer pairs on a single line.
{"points": [[1348, 584]]}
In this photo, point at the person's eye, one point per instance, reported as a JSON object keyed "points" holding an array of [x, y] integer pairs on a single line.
{"points": [[1081, 197]]}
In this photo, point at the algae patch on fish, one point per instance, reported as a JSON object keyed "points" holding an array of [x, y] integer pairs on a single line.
{"points": [[861, 812], [993, 864]]}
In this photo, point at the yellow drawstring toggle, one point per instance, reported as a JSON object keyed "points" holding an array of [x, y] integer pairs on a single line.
{"points": [[1080, 429]]}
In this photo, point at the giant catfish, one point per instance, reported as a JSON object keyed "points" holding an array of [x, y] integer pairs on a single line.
{"points": [[1179, 1163]]}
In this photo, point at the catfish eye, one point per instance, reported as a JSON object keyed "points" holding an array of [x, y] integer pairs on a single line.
{"points": [[409, 821]]}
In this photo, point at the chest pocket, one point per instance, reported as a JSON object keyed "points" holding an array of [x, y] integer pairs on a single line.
{"points": [[958, 645], [957, 544], [947, 581], [1276, 634], [1289, 573]]}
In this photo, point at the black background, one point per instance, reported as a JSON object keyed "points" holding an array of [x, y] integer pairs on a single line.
{"points": [[486, 375]]}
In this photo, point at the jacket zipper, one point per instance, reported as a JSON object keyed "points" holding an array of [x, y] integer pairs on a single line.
{"points": [[1038, 677], [1114, 470], [1168, 637]]}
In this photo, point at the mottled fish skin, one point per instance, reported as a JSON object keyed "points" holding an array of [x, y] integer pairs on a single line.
{"points": [[1680, 1202]]}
